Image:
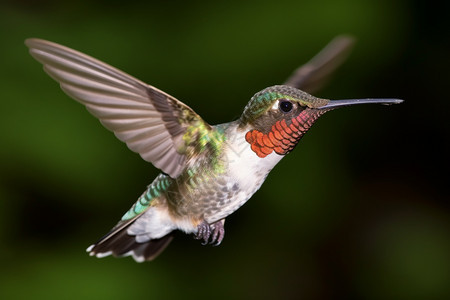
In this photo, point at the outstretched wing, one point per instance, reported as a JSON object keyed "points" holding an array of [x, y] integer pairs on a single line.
{"points": [[313, 75], [151, 122]]}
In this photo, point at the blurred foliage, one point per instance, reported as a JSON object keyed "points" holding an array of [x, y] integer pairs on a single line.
{"points": [[359, 211]]}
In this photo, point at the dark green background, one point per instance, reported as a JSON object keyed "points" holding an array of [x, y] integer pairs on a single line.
{"points": [[359, 211]]}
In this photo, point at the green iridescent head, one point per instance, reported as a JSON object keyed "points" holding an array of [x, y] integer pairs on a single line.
{"points": [[282, 101], [278, 100]]}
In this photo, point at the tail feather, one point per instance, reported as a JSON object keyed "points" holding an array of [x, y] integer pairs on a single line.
{"points": [[151, 249], [119, 243]]}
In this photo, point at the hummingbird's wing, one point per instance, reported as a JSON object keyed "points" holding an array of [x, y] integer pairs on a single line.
{"points": [[151, 122], [313, 75]]}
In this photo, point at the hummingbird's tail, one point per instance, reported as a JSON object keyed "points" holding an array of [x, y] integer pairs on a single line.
{"points": [[119, 244]]}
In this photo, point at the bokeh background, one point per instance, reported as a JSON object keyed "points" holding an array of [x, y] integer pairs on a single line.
{"points": [[360, 210]]}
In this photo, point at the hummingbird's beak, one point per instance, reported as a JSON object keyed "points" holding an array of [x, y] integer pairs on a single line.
{"points": [[338, 103]]}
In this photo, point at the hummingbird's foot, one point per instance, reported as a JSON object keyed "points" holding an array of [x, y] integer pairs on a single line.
{"points": [[218, 232], [203, 232], [215, 231]]}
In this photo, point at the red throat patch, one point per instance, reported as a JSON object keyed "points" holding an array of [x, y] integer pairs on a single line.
{"points": [[281, 138]]}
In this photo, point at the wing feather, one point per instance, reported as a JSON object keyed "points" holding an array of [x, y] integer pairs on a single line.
{"points": [[151, 122], [313, 75]]}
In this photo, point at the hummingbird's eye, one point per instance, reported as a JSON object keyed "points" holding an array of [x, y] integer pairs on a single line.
{"points": [[285, 106]]}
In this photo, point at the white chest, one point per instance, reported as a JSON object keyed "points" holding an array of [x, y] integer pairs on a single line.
{"points": [[244, 166]]}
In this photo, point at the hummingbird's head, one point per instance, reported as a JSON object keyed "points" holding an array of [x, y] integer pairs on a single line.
{"points": [[277, 117]]}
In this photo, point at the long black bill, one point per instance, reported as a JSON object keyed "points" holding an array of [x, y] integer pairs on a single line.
{"points": [[338, 103]]}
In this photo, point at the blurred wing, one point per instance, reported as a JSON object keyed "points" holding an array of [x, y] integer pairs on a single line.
{"points": [[313, 75], [151, 122]]}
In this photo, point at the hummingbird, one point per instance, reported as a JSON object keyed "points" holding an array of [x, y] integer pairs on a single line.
{"points": [[207, 171]]}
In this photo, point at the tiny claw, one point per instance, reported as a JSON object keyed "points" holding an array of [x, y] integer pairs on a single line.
{"points": [[218, 233], [214, 236]]}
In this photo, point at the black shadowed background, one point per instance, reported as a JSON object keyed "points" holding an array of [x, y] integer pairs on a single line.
{"points": [[360, 210]]}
